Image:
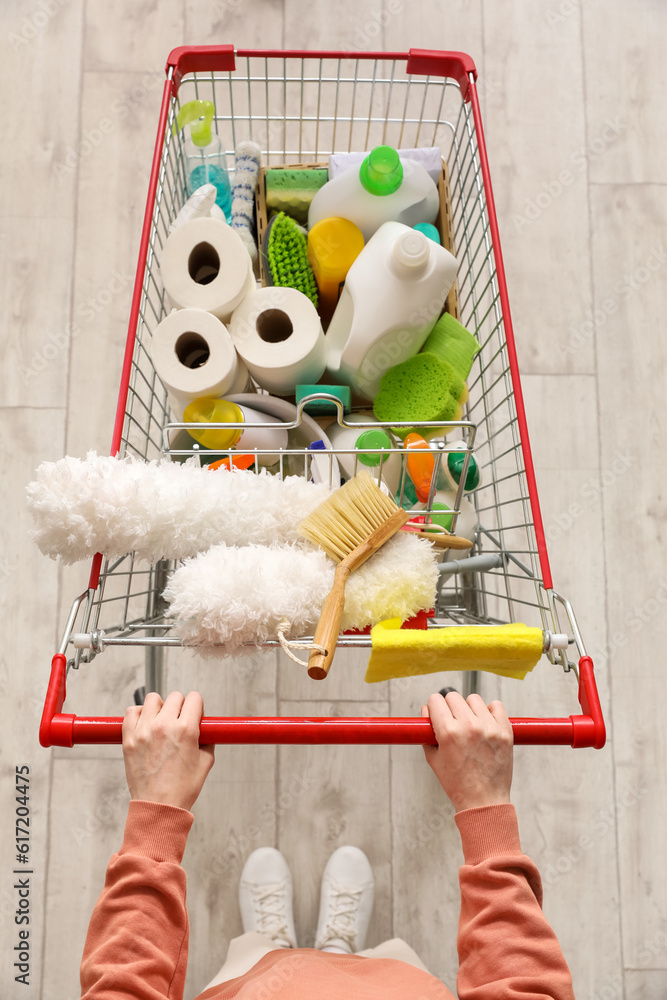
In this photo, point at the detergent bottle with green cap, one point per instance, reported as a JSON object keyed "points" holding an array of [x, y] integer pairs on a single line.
{"points": [[366, 447], [383, 189], [205, 161]]}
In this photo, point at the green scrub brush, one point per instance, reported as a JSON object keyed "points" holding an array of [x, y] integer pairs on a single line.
{"points": [[285, 257]]}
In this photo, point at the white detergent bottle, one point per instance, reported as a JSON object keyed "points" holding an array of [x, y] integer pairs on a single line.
{"points": [[371, 438], [393, 294], [383, 188]]}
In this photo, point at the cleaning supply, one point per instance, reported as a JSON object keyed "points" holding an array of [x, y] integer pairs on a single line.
{"points": [[207, 410], [333, 246], [420, 464], [428, 230], [193, 355], [247, 161], [347, 438], [292, 191], [442, 513], [204, 265], [437, 536], [200, 205], [393, 295], [351, 525], [285, 256], [254, 593], [509, 650], [452, 465], [205, 161], [324, 407], [279, 337], [450, 342], [160, 509], [383, 188], [430, 158], [423, 389]]}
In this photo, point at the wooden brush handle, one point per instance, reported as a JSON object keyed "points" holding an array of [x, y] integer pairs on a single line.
{"points": [[328, 626], [444, 541]]}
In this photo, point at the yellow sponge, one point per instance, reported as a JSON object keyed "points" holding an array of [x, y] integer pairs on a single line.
{"points": [[508, 650]]}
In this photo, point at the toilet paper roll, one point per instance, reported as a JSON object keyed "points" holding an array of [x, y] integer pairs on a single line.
{"points": [[194, 356], [204, 265], [278, 335]]}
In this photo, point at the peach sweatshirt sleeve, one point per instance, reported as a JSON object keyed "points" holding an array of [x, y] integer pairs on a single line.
{"points": [[137, 942], [507, 950]]}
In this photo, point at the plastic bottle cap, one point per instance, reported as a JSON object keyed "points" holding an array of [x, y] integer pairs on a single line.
{"points": [[411, 249], [198, 115], [381, 172], [207, 410], [372, 439], [455, 462], [429, 230]]}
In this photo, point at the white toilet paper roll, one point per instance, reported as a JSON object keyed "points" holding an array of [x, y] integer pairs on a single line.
{"points": [[204, 265], [278, 335], [194, 356]]}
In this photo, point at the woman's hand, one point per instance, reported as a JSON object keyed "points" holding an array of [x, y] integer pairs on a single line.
{"points": [[163, 759], [473, 759]]}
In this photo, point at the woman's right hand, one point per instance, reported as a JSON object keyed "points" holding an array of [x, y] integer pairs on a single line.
{"points": [[473, 759]]}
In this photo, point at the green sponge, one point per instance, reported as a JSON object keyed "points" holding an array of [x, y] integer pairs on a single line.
{"points": [[451, 342], [285, 256], [421, 388], [292, 191]]}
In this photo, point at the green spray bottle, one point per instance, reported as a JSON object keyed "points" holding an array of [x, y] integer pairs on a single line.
{"points": [[205, 161]]}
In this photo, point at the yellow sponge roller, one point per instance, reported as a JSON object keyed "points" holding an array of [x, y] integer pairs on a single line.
{"points": [[508, 650]]}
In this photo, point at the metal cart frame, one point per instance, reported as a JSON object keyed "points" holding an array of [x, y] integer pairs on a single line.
{"points": [[301, 106]]}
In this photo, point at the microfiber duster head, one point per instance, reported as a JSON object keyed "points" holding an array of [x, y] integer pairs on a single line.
{"points": [[450, 341], [285, 253], [421, 388]]}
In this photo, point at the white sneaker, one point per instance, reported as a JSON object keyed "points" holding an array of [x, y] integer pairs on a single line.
{"points": [[346, 901], [265, 897]]}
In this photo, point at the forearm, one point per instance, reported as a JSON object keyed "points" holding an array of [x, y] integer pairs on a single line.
{"points": [[506, 946], [137, 942]]}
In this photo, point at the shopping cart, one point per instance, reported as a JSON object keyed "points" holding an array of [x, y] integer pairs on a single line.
{"points": [[301, 106]]}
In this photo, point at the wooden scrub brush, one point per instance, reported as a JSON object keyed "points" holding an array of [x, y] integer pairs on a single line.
{"points": [[351, 525]]}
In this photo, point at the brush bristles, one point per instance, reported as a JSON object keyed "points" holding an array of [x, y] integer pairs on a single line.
{"points": [[348, 517]]}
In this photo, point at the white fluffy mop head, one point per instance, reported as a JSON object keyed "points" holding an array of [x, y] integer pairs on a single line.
{"points": [[236, 595], [160, 509]]}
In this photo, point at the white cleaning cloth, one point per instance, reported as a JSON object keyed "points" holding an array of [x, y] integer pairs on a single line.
{"points": [[236, 595], [160, 509]]}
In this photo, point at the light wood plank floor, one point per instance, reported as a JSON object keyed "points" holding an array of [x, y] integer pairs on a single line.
{"points": [[573, 97]]}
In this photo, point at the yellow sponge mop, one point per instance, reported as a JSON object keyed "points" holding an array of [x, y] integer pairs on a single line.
{"points": [[508, 650]]}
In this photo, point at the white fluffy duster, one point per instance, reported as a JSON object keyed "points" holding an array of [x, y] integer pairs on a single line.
{"points": [[236, 595], [160, 509]]}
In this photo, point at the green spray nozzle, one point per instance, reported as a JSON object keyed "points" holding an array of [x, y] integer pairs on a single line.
{"points": [[198, 115]]}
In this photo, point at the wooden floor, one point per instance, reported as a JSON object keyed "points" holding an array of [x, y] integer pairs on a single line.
{"points": [[573, 97]]}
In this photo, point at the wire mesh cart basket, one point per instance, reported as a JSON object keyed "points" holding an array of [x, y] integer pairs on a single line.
{"points": [[300, 107]]}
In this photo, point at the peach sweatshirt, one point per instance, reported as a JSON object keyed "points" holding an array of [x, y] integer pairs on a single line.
{"points": [[137, 943]]}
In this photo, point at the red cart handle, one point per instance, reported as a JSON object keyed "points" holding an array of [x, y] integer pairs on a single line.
{"points": [[588, 730]]}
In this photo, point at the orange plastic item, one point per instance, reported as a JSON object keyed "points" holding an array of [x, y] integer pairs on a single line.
{"points": [[420, 466], [238, 461]]}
